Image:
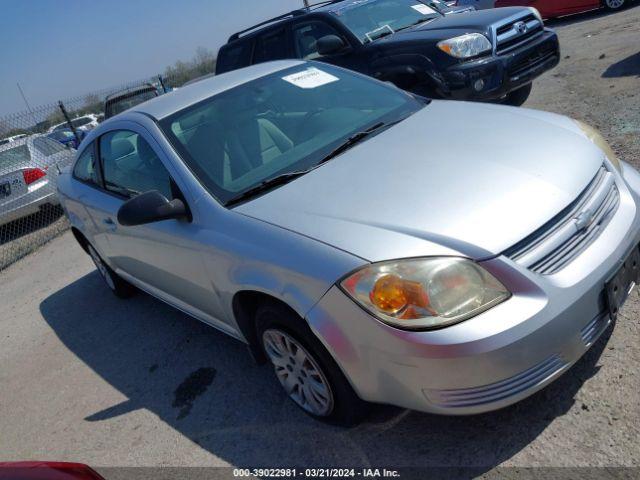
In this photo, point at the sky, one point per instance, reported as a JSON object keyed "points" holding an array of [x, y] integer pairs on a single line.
{"points": [[58, 49]]}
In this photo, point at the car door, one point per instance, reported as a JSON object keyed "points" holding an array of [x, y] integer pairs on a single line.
{"points": [[164, 257]]}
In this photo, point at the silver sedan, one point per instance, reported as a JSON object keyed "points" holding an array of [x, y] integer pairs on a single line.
{"points": [[372, 245], [28, 175]]}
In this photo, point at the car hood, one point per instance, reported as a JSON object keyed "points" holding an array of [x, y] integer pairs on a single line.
{"points": [[450, 25], [455, 178]]}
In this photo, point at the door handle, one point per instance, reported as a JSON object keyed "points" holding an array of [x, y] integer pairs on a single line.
{"points": [[109, 223]]}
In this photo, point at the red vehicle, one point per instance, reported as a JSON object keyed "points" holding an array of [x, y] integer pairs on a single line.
{"points": [[547, 8]]}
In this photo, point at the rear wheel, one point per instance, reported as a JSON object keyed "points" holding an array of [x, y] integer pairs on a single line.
{"points": [[120, 288], [306, 371], [614, 4], [519, 96]]}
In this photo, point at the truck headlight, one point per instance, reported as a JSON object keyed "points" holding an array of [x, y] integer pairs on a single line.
{"points": [[599, 141], [465, 46], [426, 293]]}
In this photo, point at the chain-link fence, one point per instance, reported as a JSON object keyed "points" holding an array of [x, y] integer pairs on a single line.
{"points": [[37, 144]]}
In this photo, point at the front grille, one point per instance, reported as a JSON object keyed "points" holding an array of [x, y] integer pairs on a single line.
{"points": [[560, 241], [471, 397], [517, 32]]}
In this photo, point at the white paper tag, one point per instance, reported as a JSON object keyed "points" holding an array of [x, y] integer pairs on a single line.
{"points": [[310, 78], [423, 9]]}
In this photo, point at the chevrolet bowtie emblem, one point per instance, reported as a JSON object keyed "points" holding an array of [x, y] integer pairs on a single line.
{"points": [[584, 219]]}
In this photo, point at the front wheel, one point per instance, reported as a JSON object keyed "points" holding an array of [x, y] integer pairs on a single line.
{"points": [[120, 288], [307, 372], [614, 4], [517, 97]]}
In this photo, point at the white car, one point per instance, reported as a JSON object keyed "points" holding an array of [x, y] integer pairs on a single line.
{"points": [[85, 123]]}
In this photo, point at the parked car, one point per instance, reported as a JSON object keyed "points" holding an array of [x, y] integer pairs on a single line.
{"points": [[28, 175], [67, 138], [547, 8], [335, 224], [123, 100], [85, 123], [488, 55], [13, 138]]}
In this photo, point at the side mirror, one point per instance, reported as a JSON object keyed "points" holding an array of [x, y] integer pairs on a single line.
{"points": [[330, 44], [151, 207]]}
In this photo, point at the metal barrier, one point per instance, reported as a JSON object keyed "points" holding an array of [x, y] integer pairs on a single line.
{"points": [[36, 145]]}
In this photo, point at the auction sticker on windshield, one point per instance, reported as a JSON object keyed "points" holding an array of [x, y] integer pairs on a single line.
{"points": [[423, 9], [310, 78]]}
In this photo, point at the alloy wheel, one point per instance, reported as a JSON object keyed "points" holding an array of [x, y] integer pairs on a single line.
{"points": [[102, 268], [614, 4], [298, 373]]}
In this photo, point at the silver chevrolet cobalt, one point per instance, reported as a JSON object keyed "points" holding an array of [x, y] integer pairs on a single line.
{"points": [[373, 246]]}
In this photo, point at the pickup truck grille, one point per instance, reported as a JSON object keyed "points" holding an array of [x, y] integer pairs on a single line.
{"points": [[560, 241], [515, 33]]}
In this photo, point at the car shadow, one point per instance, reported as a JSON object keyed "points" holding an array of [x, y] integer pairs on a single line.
{"points": [[204, 385], [628, 67]]}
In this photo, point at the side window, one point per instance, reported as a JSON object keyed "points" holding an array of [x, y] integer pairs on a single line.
{"points": [[306, 36], [233, 57], [46, 146], [271, 46], [85, 168], [130, 166]]}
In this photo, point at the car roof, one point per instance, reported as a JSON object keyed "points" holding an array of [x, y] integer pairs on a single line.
{"points": [[165, 105]]}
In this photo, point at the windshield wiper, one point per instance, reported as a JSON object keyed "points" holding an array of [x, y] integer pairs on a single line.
{"points": [[414, 24], [266, 185], [278, 180], [357, 138]]}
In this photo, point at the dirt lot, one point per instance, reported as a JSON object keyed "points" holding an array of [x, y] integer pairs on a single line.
{"points": [[87, 377]]}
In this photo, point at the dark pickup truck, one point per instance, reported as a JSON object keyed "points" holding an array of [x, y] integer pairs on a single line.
{"points": [[488, 55]]}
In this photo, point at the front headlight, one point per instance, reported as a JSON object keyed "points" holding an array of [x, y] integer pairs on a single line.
{"points": [[421, 294], [599, 141], [465, 46]]}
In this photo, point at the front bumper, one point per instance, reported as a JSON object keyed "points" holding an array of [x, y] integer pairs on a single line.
{"points": [[498, 357], [501, 74]]}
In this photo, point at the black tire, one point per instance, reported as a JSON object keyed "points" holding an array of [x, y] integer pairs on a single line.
{"points": [[346, 407], [616, 5], [519, 96], [120, 288]]}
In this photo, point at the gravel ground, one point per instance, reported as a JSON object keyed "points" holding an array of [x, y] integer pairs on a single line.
{"points": [[87, 377]]}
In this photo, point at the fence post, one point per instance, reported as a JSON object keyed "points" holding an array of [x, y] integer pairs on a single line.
{"points": [[66, 117], [161, 80]]}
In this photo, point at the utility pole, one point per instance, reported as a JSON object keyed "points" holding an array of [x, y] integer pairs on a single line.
{"points": [[33, 117]]}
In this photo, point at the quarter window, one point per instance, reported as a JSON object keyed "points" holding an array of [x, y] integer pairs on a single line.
{"points": [[272, 46], [85, 168], [306, 38], [130, 166], [234, 57]]}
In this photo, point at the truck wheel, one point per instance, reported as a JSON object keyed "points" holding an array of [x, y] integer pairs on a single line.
{"points": [[307, 372], [519, 96], [614, 4]]}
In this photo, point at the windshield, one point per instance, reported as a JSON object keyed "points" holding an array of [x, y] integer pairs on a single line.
{"points": [[284, 122], [17, 157], [371, 19]]}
